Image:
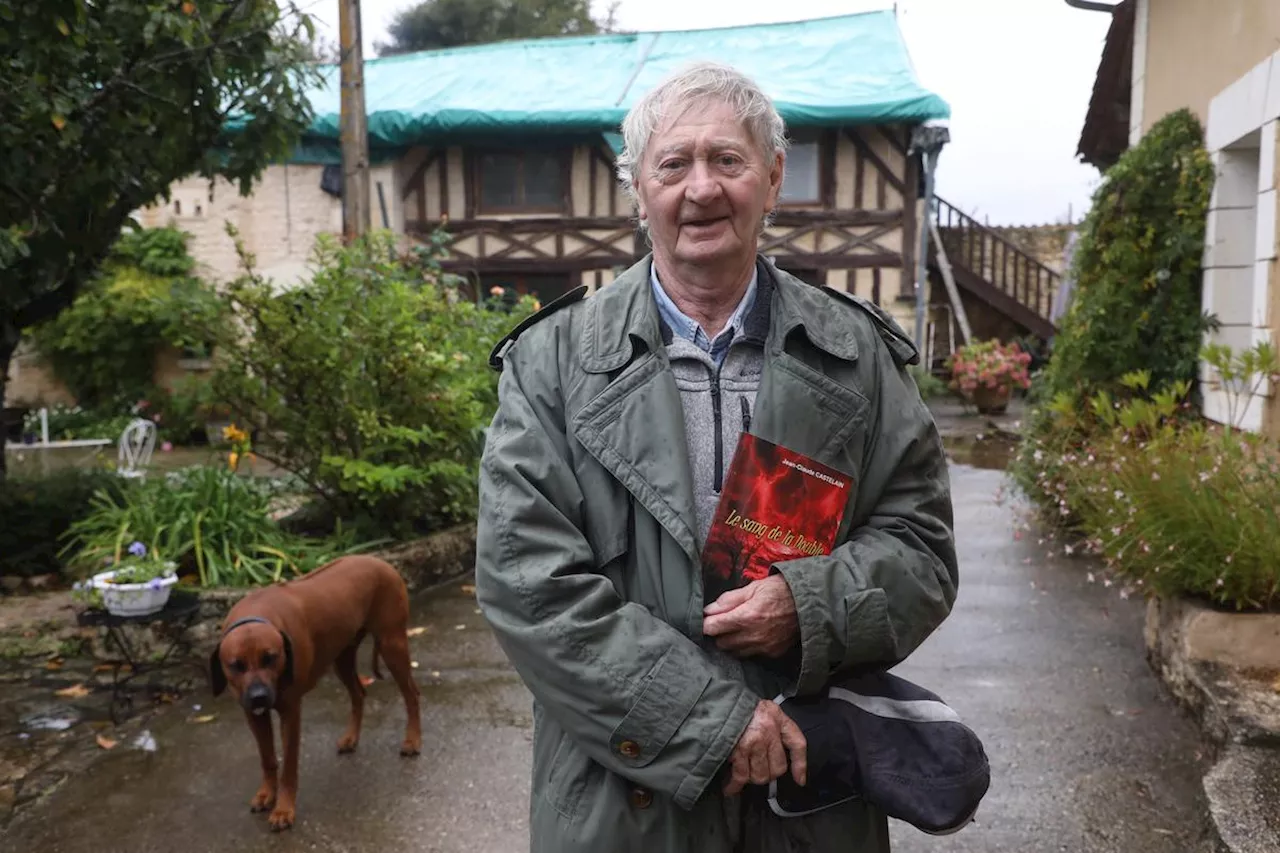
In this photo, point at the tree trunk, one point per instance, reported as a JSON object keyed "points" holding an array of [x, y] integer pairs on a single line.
{"points": [[9, 338]]}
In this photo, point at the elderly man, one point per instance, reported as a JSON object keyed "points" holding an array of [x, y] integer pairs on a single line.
{"points": [[655, 725]]}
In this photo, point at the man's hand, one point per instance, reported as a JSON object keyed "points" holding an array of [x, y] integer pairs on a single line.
{"points": [[759, 755], [757, 619]]}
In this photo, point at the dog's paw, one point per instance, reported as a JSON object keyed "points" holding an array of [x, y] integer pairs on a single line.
{"points": [[348, 743], [410, 747], [262, 801], [280, 818]]}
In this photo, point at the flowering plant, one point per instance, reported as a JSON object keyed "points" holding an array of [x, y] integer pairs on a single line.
{"points": [[241, 446], [138, 567], [991, 365]]}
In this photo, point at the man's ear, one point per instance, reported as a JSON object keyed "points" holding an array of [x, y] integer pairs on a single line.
{"points": [[217, 678], [286, 677]]}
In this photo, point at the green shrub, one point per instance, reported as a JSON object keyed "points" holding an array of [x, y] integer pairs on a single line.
{"points": [[35, 512], [69, 423], [1173, 504], [1137, 300], [1138, 267], [104, 345], [209, 521], [930, 386], [370, 382]]}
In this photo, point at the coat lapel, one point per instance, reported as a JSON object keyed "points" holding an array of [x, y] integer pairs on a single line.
{"points": [[796, 377], [634, 427]]}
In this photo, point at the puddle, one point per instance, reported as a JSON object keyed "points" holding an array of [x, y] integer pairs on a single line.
{"points": [[992, 451]]}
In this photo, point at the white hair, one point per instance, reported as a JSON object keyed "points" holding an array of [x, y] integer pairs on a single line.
{"points": [[703, 81]]}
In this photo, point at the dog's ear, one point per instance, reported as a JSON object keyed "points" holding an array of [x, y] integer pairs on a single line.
{"points": [[217, 678], [286, 677]]}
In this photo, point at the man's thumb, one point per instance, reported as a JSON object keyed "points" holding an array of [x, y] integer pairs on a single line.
{"points": [[727, 601]]}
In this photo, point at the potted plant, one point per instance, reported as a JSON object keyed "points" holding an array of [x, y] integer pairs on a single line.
{"points": [[136, 585], [986, 372]]}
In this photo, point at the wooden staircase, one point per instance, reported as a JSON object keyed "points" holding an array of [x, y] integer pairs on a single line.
{"points": [[995, 272]]}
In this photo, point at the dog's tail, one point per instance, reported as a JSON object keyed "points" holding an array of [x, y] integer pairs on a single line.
{"points": [[377, 651]]}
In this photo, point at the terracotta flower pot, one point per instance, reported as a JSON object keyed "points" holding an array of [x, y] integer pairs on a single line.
{"points": [[991, 401]]}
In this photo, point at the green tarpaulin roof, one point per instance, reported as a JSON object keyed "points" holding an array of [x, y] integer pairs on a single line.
{"points": [[848, 69]]}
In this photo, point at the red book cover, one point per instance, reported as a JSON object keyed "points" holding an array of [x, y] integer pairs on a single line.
{"points": [[776, 505]]}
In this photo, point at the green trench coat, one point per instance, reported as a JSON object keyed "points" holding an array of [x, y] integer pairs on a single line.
{"points": [[588, 572]]}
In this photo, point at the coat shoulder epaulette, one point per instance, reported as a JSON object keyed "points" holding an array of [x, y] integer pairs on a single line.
{"points": [[900, 344], [500, 349]]}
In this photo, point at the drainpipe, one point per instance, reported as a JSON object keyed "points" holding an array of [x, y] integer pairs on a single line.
{"points": [[927, 140], [1092, 6]]}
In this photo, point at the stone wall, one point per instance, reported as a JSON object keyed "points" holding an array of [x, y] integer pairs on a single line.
{"points": [[1045, 243]]}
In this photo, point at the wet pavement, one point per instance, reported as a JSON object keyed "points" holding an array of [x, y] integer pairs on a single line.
{"points": [[1088, 753]]}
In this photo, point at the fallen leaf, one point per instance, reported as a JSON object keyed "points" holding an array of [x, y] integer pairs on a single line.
{"points": [[414, 632], [106, 742], [77, 691], [104, 667], [459, 627], [204, 718], [53, 664], [366, 680], [468, 588], [478, 610]]}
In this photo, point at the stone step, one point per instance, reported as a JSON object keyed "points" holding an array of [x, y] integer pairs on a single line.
{"points": [[1243, 790]]}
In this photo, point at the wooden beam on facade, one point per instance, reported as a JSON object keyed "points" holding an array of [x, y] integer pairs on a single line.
{"points": [[415, 180], [866, 151]]}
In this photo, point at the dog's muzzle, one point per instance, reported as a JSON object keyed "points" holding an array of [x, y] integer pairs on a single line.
{"points": [[259, 698]]}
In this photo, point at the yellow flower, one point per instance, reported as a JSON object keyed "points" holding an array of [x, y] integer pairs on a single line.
{"points": [[234, 434]]}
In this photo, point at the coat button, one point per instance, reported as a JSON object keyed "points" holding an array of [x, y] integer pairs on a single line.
{"points": [[629, 749], [641, 798]]}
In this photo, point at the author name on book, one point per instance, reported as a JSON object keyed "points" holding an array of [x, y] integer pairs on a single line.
{"points": [[776, 533], [826, 478]]}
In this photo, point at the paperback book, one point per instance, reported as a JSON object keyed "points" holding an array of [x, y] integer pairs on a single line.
{"points": [[776, 505]]}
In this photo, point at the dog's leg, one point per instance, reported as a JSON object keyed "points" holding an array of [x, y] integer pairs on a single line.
{"points": [[345, 667], [286, 800], [394, 647], [260, 725]]}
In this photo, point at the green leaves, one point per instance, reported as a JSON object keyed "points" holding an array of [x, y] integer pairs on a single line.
{"points": [[448, 23], [104, 346], [370, 381], [1137, 304], [209, 521], [107, 104]]}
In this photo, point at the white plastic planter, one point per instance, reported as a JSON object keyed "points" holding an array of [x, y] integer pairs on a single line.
{"points": [[133, 599]]}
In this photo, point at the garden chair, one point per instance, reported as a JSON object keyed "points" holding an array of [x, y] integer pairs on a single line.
{"points": [[137, 443]]}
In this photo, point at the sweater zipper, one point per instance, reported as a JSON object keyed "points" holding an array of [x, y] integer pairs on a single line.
{"points": [[715, 414]]}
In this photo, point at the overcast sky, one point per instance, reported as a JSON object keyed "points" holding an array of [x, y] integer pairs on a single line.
{"points": [[1017, 74]]}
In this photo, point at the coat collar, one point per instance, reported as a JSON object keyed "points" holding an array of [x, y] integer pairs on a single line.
{"points": [[623, 314]]}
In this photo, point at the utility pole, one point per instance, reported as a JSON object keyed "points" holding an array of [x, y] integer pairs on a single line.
{"points": [[354, 130]]}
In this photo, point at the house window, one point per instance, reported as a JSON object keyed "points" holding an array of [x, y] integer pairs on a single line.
{"points": [[520, 182], [802, 183]]}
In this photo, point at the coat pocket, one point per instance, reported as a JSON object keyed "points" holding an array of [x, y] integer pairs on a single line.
{"points": [[567, 778]]}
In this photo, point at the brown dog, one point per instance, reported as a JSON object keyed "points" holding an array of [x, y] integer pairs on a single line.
{"points": [[278, 641]]}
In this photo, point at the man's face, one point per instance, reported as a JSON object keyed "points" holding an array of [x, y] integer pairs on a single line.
{"points": [[704, 187]]}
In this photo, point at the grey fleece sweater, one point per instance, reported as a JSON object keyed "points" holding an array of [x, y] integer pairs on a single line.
{"points": [[718, 402]]}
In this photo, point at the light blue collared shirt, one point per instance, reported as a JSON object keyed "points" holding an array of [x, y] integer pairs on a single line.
{"points": [[686, 327]]}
